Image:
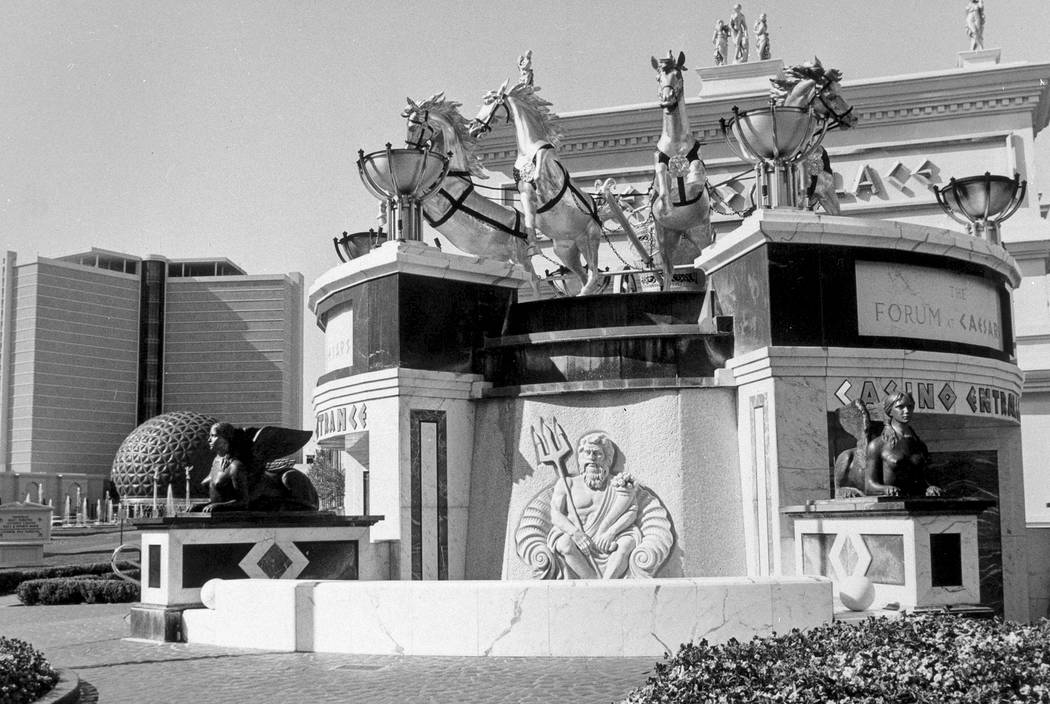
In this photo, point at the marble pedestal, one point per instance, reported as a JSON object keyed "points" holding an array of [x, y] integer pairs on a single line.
{"points": [[917, 552], [180, 554]]}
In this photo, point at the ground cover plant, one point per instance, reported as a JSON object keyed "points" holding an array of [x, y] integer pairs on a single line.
{"points": [[25, 675], [77, 590], [929, 658]]}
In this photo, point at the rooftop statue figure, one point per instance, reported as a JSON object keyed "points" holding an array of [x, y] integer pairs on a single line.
{"points": [[721, 42], [247, 475], [975, 24], [595, 524], [741, 40], [892, 462], [525, 68], [762, 38]]}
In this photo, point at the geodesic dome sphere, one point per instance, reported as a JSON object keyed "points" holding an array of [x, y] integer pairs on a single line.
{"points": [[164, 446]]}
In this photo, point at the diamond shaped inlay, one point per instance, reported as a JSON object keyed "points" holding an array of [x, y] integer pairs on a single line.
{"points": [[274, 562], [947, 396]]}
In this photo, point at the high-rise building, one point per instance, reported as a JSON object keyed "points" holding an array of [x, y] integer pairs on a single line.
{"points": [[93, 344]]}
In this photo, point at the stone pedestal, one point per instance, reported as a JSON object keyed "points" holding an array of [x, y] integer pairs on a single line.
{"points": [[179, 555], [24, 529], [917, 552], [404, 328], [739, 78]]}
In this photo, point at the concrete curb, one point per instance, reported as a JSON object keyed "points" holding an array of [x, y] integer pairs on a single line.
{"points": [[66, 691]]}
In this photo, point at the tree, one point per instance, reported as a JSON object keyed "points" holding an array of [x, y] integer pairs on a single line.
{"points": [[329, 479]]}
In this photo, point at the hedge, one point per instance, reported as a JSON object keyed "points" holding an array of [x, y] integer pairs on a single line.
{"points": [[25, 675], [910, 659], [76, 590], [10, 579]]}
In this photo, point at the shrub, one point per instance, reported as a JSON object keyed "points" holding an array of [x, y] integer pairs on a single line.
{"points": [[76, 590], [25, 675], [10, 579], [929, 658]]}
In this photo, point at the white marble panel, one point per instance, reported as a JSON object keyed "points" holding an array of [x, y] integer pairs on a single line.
{"points": [[732, 608], [267, 623], [513, 618], [198, 626], [658, 618], [796, 604], [585, 615], [381, 617], [428, 474], [444, 618], [334, 620]]}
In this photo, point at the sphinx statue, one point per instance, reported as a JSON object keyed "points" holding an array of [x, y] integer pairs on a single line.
{"points": [[248, 473], [595, 524], [890, 460]]}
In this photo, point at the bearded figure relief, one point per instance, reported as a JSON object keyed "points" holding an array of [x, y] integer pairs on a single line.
{"points": [[593, 524]]}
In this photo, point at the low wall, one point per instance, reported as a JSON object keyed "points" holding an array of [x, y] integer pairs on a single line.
{"points": [[623, 618]]}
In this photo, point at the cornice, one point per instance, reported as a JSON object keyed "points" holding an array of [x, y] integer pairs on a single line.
{"points": [[1015, 88]]}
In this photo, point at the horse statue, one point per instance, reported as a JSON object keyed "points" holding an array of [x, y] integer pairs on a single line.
{"points": [[678, 197], [473, 223], [550, 201], [811, 85]]}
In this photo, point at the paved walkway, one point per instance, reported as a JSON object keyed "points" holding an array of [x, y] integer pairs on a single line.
{"points": [[90, 640]]}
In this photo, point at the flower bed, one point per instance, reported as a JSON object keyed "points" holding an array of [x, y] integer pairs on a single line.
{"points": [[25, 675], [930, 658]]}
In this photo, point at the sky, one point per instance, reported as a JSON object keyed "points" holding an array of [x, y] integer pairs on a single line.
{"points": [[231, 129]]}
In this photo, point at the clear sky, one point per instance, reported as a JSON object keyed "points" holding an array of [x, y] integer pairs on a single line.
{"points": [[226, 128]]}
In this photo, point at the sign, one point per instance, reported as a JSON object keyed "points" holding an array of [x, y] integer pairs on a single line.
{"points": [[339, 340], [936, 396], [24, 523], [341, 420], [917, 302]]}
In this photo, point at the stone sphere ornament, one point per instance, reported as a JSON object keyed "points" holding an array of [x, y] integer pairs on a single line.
{"points": [[159, 451], [857, 593]]}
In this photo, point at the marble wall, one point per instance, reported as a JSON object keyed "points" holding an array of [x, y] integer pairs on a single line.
{"points": [[504, 618]]}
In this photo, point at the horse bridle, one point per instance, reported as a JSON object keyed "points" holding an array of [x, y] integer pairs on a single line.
{"points": [[425, 134], [838, 118], [486, 124]]}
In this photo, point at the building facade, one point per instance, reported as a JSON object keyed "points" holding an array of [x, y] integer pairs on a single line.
{"points": [[93, 344]]}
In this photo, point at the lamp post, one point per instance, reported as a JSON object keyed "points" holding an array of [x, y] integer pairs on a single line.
{"points": [[403, 178], [981, 202], [775, 139]]}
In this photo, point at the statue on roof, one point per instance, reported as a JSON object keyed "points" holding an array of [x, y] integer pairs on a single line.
{"points": [[975, 24], [721, 42], [741, 39], [762, 38], [525, 76]]}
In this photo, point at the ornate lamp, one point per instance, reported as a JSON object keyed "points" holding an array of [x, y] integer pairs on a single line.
{"points": [[981, 202], [403, 178], [353, 245], [775, 139]]}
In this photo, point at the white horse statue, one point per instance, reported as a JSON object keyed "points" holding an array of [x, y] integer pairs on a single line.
{"points": [[550, 201], [679, 198], [811, 85], [471, 222]]}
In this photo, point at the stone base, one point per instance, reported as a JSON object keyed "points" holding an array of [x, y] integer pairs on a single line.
{"points": [[21, 554], [575, 618], [917, 552], [739, 78], [982, 58], [159, 623], [180, 554]]}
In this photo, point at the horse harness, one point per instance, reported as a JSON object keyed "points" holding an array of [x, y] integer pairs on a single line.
{"points": [[528, 173], [678, 167], [458, 203]]}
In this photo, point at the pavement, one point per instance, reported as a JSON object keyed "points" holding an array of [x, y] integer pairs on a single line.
{"points": [[90, 639]]}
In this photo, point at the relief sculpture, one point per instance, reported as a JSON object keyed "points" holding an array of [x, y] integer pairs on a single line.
{"points": [[595, 524]]}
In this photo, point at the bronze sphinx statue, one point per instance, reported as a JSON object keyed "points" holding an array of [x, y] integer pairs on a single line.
{"points": [[248, 474]]}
